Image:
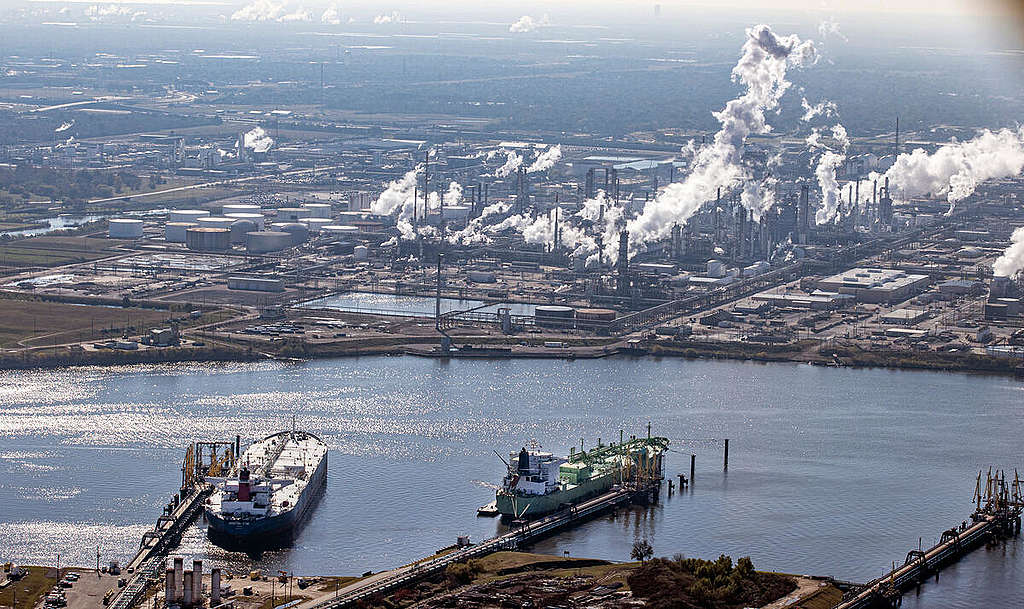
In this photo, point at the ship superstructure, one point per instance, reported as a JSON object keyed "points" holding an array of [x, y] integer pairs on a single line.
{"points": [[538, 482], [273, 486]]}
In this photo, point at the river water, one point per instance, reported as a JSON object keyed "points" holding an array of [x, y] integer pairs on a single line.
{"points": [[832, 471]]}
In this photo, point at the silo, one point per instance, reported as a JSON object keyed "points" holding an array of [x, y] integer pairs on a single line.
{"points": [[186, 215], [174, 232], [318, 210], [299, 232], [316, 224], [361, 252], [293, 214], [215, 222], [262, 242], [125, 228], [206, 239], [240, 228], [258, 219], [240, 208]]}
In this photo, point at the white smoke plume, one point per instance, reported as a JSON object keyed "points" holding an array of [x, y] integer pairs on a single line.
{"points": [[331, 16], [398, 198], [829, 28], [825, 108], [454, 194], [64, 127], [260, 10], [270, 11], [762, 71], [512, 163], [299, 14], [258, 140], [392, 17], [546, 160], [956, 168], [474, 231], [527, 24], [113, 12], [825, 172], [1011, 262]]}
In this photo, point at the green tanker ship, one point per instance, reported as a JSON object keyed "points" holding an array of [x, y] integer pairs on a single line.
{"points": [[538, 482]]}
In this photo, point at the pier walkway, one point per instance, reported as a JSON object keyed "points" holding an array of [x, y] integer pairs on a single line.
{"points": [[388, 581], [155, 544]]}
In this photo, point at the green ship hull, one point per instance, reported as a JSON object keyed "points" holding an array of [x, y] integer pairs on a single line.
{"points": [[531, 506]]}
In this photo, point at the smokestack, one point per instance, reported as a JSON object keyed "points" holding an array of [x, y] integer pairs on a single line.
{"points": [[214, 586], [426, 181], [197, 581], [622, 286], [179, 573], [169, 585], [186, 598], [803, 211]]}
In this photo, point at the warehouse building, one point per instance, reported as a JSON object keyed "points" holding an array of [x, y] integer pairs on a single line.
{"points": [[874, 285]]}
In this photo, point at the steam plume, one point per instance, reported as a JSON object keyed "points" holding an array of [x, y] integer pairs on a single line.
{"points": [[512, 163], [1011, 261], [762, 71], [527, 24], [546, 160], [956, 169], [392, 17], [258, 140]]}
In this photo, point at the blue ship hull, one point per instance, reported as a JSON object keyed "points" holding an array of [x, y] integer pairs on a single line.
{"points": [[274, 530]]}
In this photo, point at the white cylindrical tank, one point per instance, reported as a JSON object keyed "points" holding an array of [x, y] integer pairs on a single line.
{"points": [[318, 210], [208, 239], [293, 214], [361, 252], [215, 222], [240, 208], [316, 224], [262, 242], [186, 215], [240, 229], [174, 232], [258, 219], [299, 232], [716, 268], [125, 228]]}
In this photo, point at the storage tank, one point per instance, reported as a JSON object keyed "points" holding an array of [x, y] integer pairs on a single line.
{"points": [[215, 222], [258, 219], [318, 210], [339, 230], [262, 242], [208, 239], [554, 316], [316, 224], [186, 215], [125, 228], [240, 208], [716, 268], [293, 214], [299, 232], [361, 252], [240, 228], [174, 232]]}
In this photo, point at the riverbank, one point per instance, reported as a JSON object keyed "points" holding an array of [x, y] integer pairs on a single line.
{"points": [[491, 347]]}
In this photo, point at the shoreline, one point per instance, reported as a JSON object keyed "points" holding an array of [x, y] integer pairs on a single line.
{"points": [[489, 348]]}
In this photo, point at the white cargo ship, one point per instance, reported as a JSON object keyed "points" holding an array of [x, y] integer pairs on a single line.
{"points": [[270, 492]]}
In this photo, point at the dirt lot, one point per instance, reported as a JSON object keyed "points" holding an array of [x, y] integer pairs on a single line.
{"points": [[49, 251], [26, 323]]}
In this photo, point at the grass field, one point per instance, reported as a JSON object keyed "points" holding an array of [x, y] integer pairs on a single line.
{"points": [[48, 251], [46, 323], [28, 589]]}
